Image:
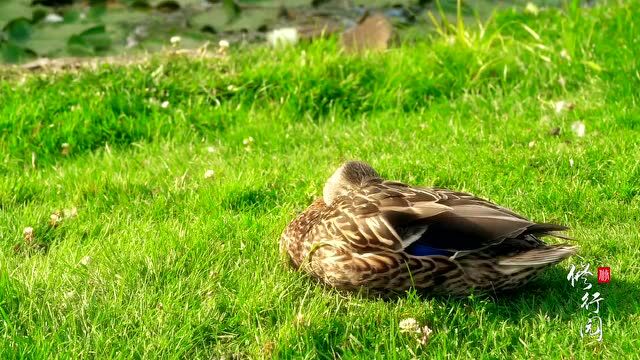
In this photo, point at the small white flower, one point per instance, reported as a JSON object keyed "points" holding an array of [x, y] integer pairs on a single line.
{"points": [[28, 233], [211, 149], [409, 325], [223, 46], [283, 37], [425, 334], [70, 213], [561, 106], [175, 40], [85, 261], [562, 81], [571, 162], [208, 174], [421, 333], [54, 219], [301, 320], [578, 128], [532, 9], [165, 104], [248, 141]]}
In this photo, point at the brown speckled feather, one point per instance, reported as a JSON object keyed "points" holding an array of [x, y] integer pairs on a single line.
{"points": [[381, 235]]}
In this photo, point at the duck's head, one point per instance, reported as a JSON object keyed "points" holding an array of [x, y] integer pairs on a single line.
{"points": [[351, 175]]}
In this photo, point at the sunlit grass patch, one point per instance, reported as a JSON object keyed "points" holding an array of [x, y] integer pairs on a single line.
{"points": [[172, 249]]}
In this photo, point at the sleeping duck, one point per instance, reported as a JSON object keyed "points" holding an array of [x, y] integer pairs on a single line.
{"points": [[367, 232]]}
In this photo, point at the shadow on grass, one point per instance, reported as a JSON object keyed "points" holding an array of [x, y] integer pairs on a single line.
{"points": [[255, 200], [551, 294]]}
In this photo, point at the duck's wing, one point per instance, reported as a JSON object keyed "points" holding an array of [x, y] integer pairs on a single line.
{"points": [[429, 221], [475, 223]]}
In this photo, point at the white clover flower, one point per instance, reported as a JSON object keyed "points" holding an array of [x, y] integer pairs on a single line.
{"points": [[409, 325], [283, 36], [86, 260], [248, 141], [578, 128], [561, 106], [532, 9], [28, 233], [54, 219]]}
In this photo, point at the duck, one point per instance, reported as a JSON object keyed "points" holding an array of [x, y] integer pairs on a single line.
{"points": [[369, 233]]}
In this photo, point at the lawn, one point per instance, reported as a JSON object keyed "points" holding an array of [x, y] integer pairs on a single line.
{"points": [[135, 253]]}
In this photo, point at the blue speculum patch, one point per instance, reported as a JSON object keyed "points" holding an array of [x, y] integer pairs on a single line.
{"points": [[418, 249]]}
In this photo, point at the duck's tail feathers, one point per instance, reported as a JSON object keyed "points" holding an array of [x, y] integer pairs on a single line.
{"points": [[543, 256], [546, 229]]}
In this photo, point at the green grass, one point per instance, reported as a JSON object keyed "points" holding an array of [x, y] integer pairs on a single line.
{"points": [[187, 267]]}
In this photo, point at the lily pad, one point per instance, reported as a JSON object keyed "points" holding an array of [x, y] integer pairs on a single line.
{"points": [[232, 9], [13, 9], [140, 5], [168, 6], [18, 30], [97, 11], [71, 16], [251, 19], [13, 53], [38, 15], [91, 41]]}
